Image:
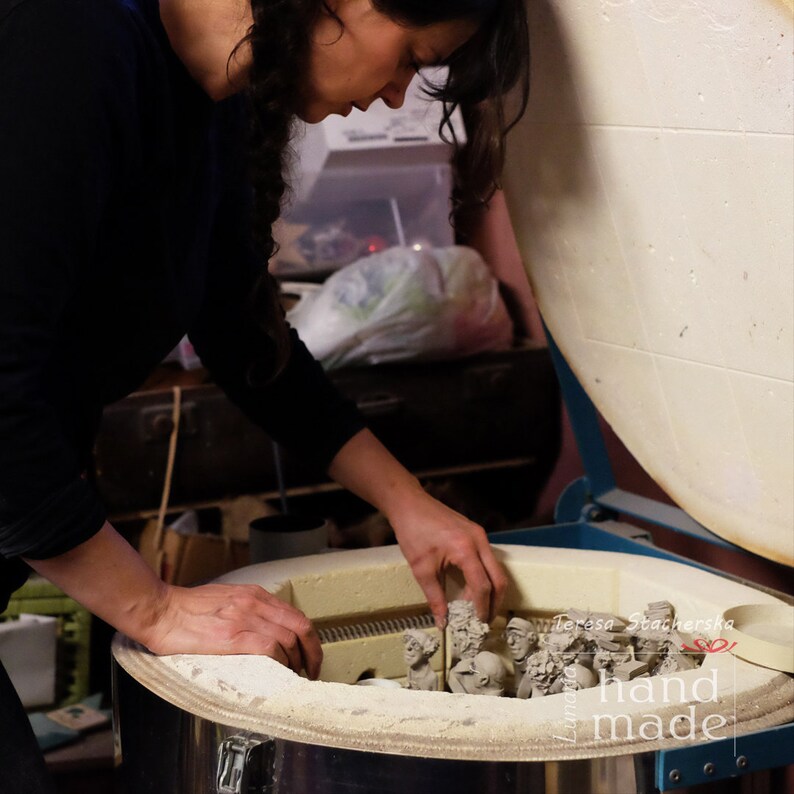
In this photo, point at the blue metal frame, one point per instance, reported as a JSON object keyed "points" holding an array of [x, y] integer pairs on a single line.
{"points": [[598, 488], [591, 535], [724, 758], [582, 517]]}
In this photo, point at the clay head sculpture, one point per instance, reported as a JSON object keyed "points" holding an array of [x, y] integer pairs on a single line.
{"points": [[579, 677], [604, 662], [471, 639], [560, 641], [648, 651], [467, 631], [459, 612], [522, 640], [419, 647], [482, 675]]}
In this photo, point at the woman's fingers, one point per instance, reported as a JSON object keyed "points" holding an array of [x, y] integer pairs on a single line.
{"points": [[478, 583], [496, 575], [229, 619], [428, 578], [433, 537], [294, 631], [255, 644], [286, 640], [486, 581]]}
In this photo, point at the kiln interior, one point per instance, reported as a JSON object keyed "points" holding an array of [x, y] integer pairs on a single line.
{"points": [[726, 694]]}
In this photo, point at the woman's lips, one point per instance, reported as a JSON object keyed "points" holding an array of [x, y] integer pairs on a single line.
{"points": [[348, 109]]}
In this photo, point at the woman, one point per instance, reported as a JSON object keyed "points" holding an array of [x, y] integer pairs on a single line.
{"points": [[124, 222]]}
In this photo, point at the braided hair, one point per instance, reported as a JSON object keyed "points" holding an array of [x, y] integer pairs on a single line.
{"points": [[486, 75]]}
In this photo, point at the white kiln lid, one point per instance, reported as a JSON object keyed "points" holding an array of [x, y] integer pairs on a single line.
{"points": [[651, 186]]}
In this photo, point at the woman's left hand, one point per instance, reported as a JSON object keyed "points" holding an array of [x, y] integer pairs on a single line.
{"points": [[431, 535]]}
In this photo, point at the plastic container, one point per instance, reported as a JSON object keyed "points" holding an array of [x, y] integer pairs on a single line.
{"points": [[39, 597], [351, 215], [367, 182]]}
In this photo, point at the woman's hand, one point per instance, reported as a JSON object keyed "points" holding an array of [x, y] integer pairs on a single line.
{"points": [[431, 535], [107, 576], [233, 619]]}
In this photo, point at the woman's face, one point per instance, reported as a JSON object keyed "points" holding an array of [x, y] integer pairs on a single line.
{"points": [[371, 58]]}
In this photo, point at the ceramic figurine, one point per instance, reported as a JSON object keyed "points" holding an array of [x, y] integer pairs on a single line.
{"points": [[467, 644], [459, 612], [630, 670], [542, 671], [573, 676], [649, 651], [467, 631], [658, 643], [676, 662], [482, 675], [563, 661], [598, 646], [522, 640], [578, 676], [605, 662], [419, 647], [557, 642]]}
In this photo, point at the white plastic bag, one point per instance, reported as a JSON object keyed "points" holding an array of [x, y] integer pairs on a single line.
{"points": [[403, 304]]}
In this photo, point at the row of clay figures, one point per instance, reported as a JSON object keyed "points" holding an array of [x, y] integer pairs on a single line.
{"points": [[579, 650]]}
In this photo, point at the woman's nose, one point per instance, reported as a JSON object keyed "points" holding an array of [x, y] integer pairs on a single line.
{"points": [[393, 93]]}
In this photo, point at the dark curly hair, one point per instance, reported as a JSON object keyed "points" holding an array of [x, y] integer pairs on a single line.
{"points": [[488, 78]]}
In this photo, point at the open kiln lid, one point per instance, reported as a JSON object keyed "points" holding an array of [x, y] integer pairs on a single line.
{"points": [[651, 187]]}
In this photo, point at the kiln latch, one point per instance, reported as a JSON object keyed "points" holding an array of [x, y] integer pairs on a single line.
{"points": [[245, 765]]}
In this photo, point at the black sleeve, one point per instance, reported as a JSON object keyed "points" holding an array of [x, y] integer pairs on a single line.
{"points": [[54, 173], [300, 408]]}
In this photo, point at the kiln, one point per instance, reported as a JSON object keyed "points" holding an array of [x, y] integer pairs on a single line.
{"points": [[247, 724]]}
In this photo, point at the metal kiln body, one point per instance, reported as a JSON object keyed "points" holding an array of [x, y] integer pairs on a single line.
{"points": [[168, 749]]}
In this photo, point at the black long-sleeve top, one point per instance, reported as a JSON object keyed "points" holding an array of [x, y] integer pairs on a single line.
{"points": [[123, 224]]}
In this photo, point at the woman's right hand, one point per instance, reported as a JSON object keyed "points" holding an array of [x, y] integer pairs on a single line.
{"points": [[106, 575], [233, 619]]}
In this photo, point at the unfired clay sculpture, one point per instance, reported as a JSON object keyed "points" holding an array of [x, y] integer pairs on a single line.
{"points": [[659, 643], [605, 661], [577, 653], [419, 647], [459, 612], [675, 662], [579, 676], [467, 631], [522, 640], [482, 675], [630, 670], [649, 651], [543, 669]]}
